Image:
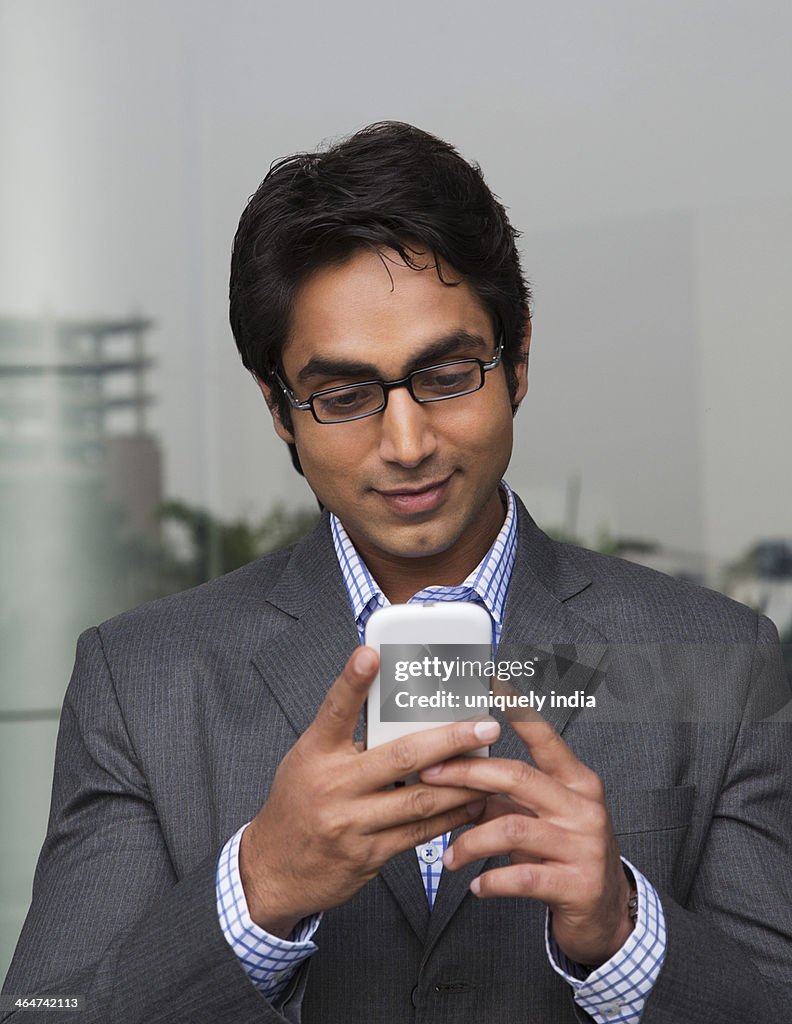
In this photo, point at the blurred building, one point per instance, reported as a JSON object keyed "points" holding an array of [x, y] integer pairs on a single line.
{"points": [[73, 407], [79, 496], [80, 487]]}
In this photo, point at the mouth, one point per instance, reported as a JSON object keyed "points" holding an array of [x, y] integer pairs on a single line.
{"points": [[409, 501]]}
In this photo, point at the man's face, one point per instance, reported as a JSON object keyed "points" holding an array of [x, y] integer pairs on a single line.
{"points": [[414, 481]]}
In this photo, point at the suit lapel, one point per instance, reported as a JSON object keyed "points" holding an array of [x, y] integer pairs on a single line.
{"points": [[301, 660], [402, 876]]}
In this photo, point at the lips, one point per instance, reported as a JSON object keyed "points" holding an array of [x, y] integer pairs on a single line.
{"points": [[413, 501]]}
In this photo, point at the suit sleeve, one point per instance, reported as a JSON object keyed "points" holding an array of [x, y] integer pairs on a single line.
{"points": [[109, 918], [729, 952]]}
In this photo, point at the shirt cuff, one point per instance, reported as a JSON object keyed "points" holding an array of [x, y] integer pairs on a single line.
{"points": [[269, 961], [616, 992]]}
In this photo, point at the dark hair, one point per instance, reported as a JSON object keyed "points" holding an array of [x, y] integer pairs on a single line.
{"points": [[389, 185]]}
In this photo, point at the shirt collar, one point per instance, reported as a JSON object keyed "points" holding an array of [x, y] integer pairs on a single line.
{"points": [[488, 583]]}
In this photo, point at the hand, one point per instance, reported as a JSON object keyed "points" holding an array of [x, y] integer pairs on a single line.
{"points": [[553, 823], [329, 824]]}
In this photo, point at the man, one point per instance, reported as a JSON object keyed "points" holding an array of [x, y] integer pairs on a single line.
{"points": [[223, 848]]}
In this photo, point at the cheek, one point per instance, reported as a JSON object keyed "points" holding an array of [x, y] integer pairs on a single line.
{"points": [[482, 427], [328, 455]]}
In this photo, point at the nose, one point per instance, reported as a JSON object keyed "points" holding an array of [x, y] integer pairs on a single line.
{"points": [[407, 436]]}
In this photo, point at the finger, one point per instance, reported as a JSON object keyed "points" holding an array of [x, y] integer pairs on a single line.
{"points": [[525, 784], [509, 835], [499, 804], [417, 802], [535, 881], [338, 714], [549, 751], [399, 758], [393, 841]]}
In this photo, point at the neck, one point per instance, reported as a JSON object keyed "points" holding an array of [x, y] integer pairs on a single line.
{"points": [[400, 578]]}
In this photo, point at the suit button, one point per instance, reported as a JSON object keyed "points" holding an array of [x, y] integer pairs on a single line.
{"points": [[414, 996]]}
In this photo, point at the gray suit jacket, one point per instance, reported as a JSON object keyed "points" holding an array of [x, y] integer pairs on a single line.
{"points": [[178, 714]]}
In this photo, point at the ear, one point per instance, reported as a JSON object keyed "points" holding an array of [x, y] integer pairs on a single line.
{"points": [[272, 405], [521, 366]]}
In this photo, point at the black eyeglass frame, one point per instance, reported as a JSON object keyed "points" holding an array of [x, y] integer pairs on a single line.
{"points": [[388, 386]]}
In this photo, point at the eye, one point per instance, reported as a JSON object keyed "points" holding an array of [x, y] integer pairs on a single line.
{"points": [[349, 401], [449, 379]]}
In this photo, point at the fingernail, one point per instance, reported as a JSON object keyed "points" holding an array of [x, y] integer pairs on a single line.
{"points": [[475, 808], [487, 730], [475, 886], [448, 857], [365, 662], [434, 770]]}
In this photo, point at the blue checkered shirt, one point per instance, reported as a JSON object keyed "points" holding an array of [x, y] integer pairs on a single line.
{"points": [[614, 993]]}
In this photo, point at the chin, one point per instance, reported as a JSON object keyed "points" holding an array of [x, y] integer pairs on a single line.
{"points": [[420, 547]]}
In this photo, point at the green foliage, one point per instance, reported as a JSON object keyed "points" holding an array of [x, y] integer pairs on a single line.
{"points": [[215, 546]]}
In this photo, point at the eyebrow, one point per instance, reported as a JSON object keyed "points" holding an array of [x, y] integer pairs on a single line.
{"points": [[449, 344]]}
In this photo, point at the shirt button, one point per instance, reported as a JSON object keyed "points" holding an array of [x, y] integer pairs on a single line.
{"points": [[429, 854], [610, 1009]]}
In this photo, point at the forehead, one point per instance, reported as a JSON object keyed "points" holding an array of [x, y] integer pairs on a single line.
{"points": [[374, 306]]}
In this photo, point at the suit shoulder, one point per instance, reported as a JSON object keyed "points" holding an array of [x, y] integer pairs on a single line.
{"points": [[218, 605], [638, 602]]}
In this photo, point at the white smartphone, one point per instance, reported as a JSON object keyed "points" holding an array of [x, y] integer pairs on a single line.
{"points": [[433, 668]]}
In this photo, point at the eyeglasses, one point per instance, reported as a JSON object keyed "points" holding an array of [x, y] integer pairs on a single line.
{"points": [[429, 384]]}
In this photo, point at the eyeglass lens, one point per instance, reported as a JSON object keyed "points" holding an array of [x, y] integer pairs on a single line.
{"points": [[430, 385]]}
